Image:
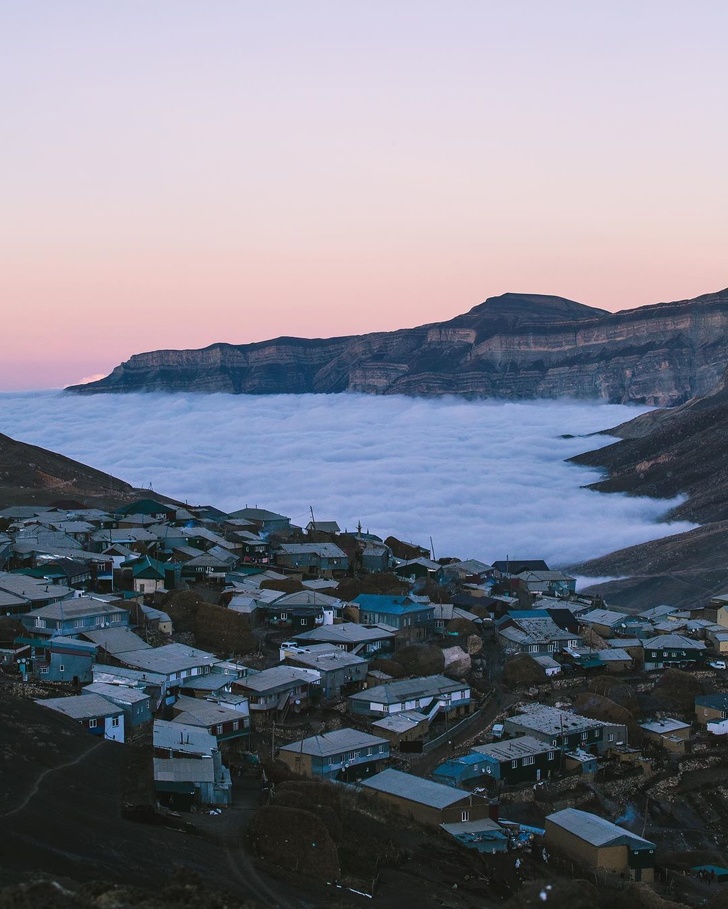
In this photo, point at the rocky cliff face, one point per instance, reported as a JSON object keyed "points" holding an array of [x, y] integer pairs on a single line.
{"points": [[514, 346]]}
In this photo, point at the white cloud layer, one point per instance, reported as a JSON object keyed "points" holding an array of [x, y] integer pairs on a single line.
{"points": [[485, 479]]}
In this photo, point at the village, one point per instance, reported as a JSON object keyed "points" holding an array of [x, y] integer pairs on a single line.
{"points": [[305, 672]]}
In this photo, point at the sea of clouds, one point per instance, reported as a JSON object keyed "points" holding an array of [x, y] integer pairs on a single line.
{"points": [[484, 479]]}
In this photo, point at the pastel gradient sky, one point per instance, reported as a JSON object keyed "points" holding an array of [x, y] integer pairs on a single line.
{"points": [[178, 173]]}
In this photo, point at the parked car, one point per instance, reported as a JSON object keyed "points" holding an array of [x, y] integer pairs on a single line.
{"points": [[717, 664]]}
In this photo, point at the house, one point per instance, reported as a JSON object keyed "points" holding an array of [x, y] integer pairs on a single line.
{"points": [[510, 762], [711, 707], [341, 672], [73, 617], [433, 695], [717, 638], [344, 754], [605, 622], [114, 641], [426, 801], [33, 592], [321, 560], [96, 714], [615, 659], [164, 668], [470, 571], [266, 521], [149, 508], [225, 721], [510, 567], [444, 613], [673, 650], [328, 528], [406, 730], [600, 844], [413, 569], [301, 611], [534, 632], [565, 730], [369, 641], [485, 836], [147, 575], [549, 583], [668, 732], [57, 659], [278, 690], [133, 701], [188, 768], [413, 621]]}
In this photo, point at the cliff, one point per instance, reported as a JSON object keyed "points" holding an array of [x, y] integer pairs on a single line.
{"points": [[513, 346]]}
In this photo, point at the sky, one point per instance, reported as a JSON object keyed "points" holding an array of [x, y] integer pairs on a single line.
{"points": [[483, 479], [178, 173]]}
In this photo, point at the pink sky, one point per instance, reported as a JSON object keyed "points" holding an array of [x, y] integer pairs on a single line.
{"points": [[181, 173]]}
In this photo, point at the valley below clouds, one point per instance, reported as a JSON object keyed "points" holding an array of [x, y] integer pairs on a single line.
{"points": [[485, 479]]}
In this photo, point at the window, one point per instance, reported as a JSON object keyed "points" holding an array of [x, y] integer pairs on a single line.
{"points": [[610, 737], [527, 761], [44, 669], [514, 764], [552, 755], [584, 736], [236, 725], [115, 721], [40, 623], [553, 741], [218, 729], [464, 815], [61, 668], [92, 724]]}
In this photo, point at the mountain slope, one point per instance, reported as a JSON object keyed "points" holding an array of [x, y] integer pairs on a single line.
{"points": [[30, 475], [513, 346], [668, 452]]}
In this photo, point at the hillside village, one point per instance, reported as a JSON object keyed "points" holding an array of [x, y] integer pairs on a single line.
{"points": [[318, 675]]}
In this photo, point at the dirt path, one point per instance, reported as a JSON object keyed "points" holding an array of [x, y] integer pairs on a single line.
{"points": [[37, 784], [495, 705]]}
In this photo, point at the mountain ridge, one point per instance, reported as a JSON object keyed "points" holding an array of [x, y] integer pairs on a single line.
{"points": [[515, 346]]}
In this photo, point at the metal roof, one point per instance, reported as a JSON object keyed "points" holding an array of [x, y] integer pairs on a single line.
{"points": [[415, 789], [401, 722], [123, 693], [117, 640], [596, 830], [184, 738], [512, 749], [336, 742], [406, 689], [665, 726], [182, 770], [82, 706], [347, 633], [168, 659], [196, 712], [278, 677]]}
